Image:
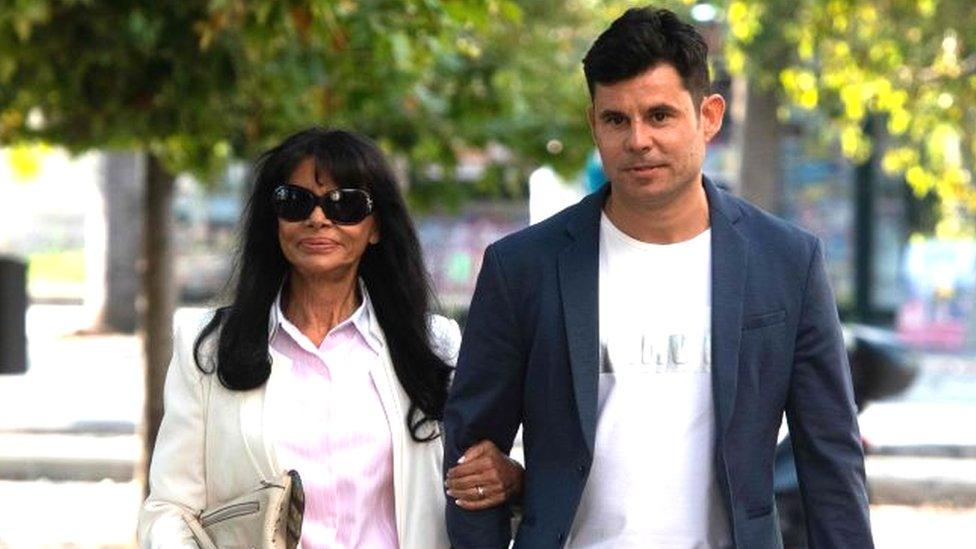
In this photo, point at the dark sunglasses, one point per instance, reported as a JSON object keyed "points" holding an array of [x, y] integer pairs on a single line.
{"points": [[341, 206]]}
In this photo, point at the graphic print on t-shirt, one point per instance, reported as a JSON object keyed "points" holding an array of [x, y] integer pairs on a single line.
{"points": [[657, 353]]}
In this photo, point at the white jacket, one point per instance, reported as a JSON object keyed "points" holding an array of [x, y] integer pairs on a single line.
{"points": [[212, 443]]}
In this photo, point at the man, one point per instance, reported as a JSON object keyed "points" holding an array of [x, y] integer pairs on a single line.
{"points": [[650, 338]]}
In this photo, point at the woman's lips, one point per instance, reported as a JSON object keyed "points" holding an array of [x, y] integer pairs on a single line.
{"points": [[318, 245]]}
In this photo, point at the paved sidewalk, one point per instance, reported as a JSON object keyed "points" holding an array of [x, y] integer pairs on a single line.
{"points": [[74, 383], [67, 457], [900, 480], [896, 480], [103, 515], [69, 445], [69, 515], [74, 416]]}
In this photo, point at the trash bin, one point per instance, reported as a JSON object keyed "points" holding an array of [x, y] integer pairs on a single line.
{"points": [[13, 312]]}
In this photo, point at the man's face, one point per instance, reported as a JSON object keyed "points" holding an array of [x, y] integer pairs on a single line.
{"points": [[651, 136]]}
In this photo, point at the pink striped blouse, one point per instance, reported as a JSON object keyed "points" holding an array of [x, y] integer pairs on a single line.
{"points": [[332, 430]]}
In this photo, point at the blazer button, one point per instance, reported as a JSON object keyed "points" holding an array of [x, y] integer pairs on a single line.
{"points": [[581, 469], [562, 538]]}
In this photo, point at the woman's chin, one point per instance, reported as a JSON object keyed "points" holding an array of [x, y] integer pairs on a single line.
{"points": [[321, 265]]}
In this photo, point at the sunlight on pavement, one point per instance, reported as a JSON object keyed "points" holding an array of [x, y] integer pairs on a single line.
{"points": [[898, 527], [68, 514]]}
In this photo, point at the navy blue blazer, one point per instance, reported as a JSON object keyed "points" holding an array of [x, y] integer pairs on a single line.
{"points": [[530, 356]]}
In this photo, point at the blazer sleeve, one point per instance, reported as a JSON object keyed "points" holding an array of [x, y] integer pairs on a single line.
{"points": [[177, 478], [485, 400], [823, 422]]}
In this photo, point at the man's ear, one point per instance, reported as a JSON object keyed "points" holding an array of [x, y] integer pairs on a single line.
{"points": [[711, 112]]}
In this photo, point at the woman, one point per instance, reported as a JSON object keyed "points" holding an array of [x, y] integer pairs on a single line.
{"points": [[327, 362]]}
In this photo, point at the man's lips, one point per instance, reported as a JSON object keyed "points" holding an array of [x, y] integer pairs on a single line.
{"points": [[643, 168]]}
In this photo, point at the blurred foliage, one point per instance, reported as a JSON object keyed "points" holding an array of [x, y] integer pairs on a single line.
{"points": [[198, 82], [528, 95], [910, 63], [26, 160], [57, 266]]}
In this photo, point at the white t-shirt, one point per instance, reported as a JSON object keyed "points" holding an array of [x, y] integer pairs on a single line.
{"points": [[653, 483]]}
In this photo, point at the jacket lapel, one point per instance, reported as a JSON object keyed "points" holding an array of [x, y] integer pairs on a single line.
{"points": [[254, 419], [579, 286], [257, 405], [256, 408], [394, 401], [729, 263]]}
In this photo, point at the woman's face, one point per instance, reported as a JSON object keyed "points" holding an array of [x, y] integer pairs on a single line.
{"points": [[316, 246]]}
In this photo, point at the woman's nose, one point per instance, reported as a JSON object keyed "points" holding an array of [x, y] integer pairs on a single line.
{"points": [[318, 217]]}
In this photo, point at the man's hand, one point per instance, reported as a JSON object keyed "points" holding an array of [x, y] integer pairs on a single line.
{"points": [[484, 478]]}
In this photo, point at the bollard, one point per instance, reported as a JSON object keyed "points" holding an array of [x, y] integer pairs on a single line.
{"points": [[13, 312]]}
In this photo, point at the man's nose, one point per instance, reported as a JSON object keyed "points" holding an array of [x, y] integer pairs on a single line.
{"points": [[640, 137]]}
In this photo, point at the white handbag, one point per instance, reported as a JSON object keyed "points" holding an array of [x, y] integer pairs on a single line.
{"points": [[267, 517]]}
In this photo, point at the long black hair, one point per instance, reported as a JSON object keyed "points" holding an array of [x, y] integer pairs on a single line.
{"points": [[392, 269]]}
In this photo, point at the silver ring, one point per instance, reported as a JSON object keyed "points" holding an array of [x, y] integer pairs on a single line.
{"points": [[481, 492]]}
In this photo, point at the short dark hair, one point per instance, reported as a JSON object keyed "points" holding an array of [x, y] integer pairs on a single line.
{"points": [[642, 38], [392, 269]]}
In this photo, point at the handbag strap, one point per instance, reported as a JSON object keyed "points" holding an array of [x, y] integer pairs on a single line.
{"points": [[199, 534]]}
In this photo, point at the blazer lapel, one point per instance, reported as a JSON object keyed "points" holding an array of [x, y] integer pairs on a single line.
{"points": [[579, 286], [394, 400], [729, 262], [254, 420]]}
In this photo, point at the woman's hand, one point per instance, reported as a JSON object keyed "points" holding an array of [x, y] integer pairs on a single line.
{"points": [[484, 478]]}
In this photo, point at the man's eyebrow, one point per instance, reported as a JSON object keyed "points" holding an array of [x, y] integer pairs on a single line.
{"points": [[610, 112], [662, 107]]}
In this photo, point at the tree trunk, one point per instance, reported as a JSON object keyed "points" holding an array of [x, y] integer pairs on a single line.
{"points": [[122, 185], [760, 171], [159, 295]]}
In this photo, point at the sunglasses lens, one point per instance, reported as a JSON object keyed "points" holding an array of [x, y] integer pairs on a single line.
{"points": [[341, 206], [293, 203], [347, 206]]}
